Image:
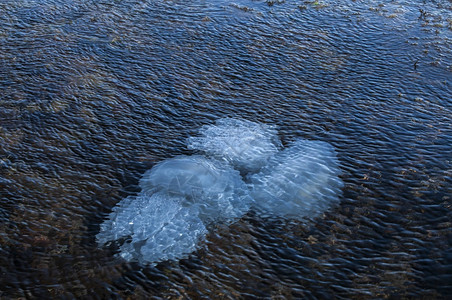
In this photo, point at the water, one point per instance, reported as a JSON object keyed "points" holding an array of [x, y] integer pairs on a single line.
{"points": [[95, 93]]}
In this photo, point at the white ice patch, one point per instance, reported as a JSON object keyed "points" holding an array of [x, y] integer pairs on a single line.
{"points": [[155, 228], [183, 197], [299, 181], [244, 144], [180, 197], [213, 187]]}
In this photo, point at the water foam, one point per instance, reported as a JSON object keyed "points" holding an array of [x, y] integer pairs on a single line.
{"points": [[183, 197]]}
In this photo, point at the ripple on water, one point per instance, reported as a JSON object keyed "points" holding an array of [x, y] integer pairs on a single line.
{"points": [[95, 93]]}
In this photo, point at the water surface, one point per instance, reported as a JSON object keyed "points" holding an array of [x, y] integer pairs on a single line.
{"points": [[94, 93]]}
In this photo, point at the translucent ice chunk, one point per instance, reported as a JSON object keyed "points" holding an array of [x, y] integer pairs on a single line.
{"points": [[155, 228], [180, 197], [244, 144], [299, 181], [183, 196], [213, 186]]}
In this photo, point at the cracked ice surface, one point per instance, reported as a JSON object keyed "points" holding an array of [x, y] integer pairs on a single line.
{"points": [[183, 197], [300, 181], [244, 144]]}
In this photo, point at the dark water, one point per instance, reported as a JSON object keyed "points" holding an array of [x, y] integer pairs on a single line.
{"points": [[94, 93]]}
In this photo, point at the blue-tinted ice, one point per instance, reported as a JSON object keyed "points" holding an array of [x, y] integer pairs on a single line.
{"points": [[214, 189], [155, 227], [300, 181], [183, 197], [244, 144]]}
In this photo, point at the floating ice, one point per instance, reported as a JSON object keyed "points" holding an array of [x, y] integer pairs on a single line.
{"points": [[299, 181], [153, 228], [180, 197], [183, 197], [214, 187], [244, 144]]}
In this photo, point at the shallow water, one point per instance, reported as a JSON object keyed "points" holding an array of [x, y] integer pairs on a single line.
{"points": [[94, 93]]}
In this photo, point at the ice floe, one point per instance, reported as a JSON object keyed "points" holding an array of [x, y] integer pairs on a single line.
{"points": [[240, 167]]}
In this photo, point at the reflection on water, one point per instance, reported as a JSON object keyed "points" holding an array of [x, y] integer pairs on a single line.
{"points": [[94, 93]]}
